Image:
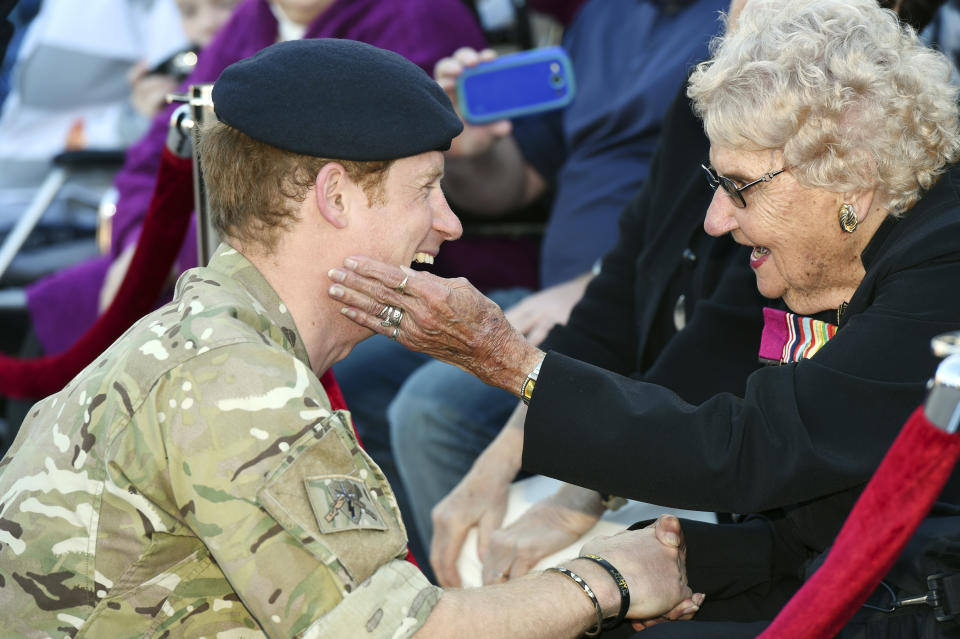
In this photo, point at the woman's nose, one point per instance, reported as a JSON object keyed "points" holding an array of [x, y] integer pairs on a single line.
{"points": [[720, 219]]}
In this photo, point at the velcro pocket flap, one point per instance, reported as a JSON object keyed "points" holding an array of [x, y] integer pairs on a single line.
{"points": [[326, 495]]}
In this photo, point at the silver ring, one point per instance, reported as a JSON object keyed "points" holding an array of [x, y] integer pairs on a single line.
{"points": [[403, 284], [393, 317], [396, 333], [386, 316]]}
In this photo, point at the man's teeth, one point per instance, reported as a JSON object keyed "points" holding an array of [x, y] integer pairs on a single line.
{"points": [[422, 258], [759, 251]]}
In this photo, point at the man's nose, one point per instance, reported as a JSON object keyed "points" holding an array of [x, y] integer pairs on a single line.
{"points": [[446, 222]]}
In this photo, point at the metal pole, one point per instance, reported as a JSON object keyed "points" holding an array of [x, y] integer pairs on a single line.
{"points": [[21, 230], [942, 406], [200, 101], [201, 108]]}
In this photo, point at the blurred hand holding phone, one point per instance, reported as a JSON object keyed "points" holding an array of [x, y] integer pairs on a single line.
{"points": [[516, 85]]}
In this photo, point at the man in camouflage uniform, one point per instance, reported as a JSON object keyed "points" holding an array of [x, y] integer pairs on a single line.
{"points": [[194, 480]]}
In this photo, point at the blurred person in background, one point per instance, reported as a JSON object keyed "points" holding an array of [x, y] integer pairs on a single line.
{"points": [[202, 19], [70, 93], [17, 15]]}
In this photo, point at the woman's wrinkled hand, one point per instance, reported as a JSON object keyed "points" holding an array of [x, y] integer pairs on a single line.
{"points": [[448, 319]]}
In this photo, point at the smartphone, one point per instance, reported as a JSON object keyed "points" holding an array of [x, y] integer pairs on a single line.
{"points": [[517, 84]]}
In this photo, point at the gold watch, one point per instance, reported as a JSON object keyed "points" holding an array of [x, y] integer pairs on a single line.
{"points": [[526, 391]]}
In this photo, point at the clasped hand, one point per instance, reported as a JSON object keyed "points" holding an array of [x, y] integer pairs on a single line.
{"points": [[653, 561]]}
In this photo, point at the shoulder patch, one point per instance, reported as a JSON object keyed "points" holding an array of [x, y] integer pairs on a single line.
{"points": [[342, 502]]}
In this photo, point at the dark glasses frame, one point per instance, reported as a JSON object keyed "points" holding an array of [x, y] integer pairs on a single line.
{"points": [[715, 180]]}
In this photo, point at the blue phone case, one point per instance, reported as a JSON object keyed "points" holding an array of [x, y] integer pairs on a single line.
{"points": [[515, 85]]}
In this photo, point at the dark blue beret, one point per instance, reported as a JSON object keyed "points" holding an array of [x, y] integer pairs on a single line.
{"points": [[337, 99]]}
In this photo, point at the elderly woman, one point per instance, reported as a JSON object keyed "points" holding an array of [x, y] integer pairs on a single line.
{"points": [[831, 132]]}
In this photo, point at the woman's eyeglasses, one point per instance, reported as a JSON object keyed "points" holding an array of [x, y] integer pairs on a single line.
{"points": [[735, 192]]}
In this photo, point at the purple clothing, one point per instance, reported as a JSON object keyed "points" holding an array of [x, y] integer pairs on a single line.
{"points": [[64, 306]]}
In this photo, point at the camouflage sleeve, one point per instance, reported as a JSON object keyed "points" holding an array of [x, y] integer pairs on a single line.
{"points": [[300, 520]]}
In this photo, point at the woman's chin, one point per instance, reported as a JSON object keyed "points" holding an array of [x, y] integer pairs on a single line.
{"points": [[770, 290]]}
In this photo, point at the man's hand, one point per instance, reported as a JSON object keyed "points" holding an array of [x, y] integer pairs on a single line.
{"points": [[550, 605], [475, 139], [536, 314], [548, 526], [480, 499], [653, 561]]}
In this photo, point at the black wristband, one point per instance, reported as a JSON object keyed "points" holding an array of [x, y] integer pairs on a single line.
{"points": [[621, 584]]}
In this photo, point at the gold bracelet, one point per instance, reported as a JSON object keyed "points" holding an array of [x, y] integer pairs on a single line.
{"points": [[577, 579]]}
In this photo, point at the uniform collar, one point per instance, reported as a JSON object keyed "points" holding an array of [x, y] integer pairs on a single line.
{"points": [[276, 318]]}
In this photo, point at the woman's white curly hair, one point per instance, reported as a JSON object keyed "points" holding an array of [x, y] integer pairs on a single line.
{"points": [[852, 98]]}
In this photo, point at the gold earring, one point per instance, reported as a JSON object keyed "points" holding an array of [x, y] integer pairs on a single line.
{"points": [[848, 218]]}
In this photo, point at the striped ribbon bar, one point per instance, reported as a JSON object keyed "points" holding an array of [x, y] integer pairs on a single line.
{"points": [[788, 337]]}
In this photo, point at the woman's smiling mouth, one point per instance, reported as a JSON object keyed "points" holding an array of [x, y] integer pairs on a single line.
{"points": [[758, 256]]}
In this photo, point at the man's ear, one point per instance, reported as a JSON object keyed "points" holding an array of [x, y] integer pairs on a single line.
{"points": [[330, 191]]}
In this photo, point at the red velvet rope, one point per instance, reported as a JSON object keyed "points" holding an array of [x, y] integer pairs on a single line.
{"points": [[896, 500]]}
